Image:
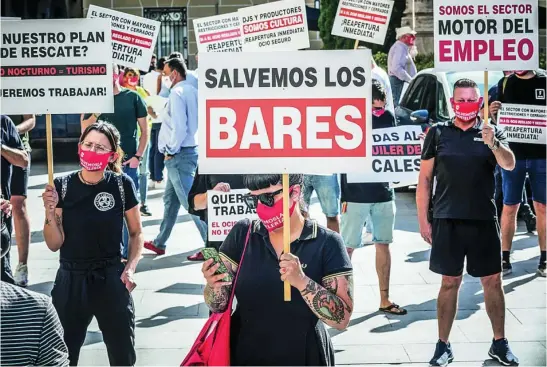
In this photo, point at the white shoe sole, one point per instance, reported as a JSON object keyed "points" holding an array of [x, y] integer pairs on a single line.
{"points": [[541, 273], [493, 356], [450, 360]]}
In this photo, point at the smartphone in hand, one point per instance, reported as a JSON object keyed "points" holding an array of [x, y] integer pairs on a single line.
{"points": [[212, 253]]}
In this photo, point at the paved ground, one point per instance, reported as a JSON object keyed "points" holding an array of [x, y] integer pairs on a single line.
{"points": [[170, 309]]}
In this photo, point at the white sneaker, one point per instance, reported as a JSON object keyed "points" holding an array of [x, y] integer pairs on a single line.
{"points": [[160, 185], [367, 238], [21, 275], [151, 185]]}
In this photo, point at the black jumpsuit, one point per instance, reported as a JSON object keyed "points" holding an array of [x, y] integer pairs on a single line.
{"points": [[88, 281]]}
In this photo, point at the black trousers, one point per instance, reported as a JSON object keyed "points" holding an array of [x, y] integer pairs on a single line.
{"points": [[5, 265], [82, 291], [155, 158]]}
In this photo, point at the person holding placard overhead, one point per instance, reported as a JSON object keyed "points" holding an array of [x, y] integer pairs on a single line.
{"points": [[463, 228], [85, 212], [266, 330], [524, 87], [400, 64]]}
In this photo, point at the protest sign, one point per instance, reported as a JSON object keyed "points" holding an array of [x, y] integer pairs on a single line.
{"points": [[260, 112], [364, 20], [224, 209], [471, 35], [133, 38], [396, 153], [220, 33], [277, 26], [524, 123], [56, 66]]}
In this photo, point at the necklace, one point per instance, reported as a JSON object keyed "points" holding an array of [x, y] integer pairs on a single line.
{"points": [[87, 182]]}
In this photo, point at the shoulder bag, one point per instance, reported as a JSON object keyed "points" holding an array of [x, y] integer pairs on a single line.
{"points": [[212, 346]]}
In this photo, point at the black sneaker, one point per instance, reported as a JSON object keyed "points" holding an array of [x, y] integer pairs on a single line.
{"points": [[501, 352], [530, 221], [506, 267], [541, 270], [443, 354], [145, 211]]}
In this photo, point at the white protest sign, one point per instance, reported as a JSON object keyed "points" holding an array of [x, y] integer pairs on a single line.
{"points": [[224, 209], [285, 112], [524, 123], [56, 66], [9, 18], [276, 26], [220, 33], [396, 153], [133, 38], [364, 20], [471, 35]]}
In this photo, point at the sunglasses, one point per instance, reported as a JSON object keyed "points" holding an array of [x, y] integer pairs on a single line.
{"points": [[267, 199]]}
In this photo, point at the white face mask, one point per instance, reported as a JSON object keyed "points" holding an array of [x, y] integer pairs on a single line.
{"points": [[167, 81], [413, 51]]}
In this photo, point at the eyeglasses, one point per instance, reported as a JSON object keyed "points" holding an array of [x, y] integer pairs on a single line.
{"points": [[100, 149], [267, 199]]}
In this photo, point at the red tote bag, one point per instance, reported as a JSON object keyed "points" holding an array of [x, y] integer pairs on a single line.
{"points": [[212, 346]]}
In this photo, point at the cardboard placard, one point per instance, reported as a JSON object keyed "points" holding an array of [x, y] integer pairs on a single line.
{"points": [[396, 153], [472, 35], [224, 209], [56, 66], [133, 38], [285, 112], [364, 20], [221, 33], [277, 26], [524, 123]]}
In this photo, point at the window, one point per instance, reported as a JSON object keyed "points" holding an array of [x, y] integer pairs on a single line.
{"points": [[429, 99], [173, 34], [415, 93], [442, 104]]}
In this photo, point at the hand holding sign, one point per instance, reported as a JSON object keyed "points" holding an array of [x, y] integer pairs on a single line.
{"points": [[221, 186], [291, 271], [488, 135]]}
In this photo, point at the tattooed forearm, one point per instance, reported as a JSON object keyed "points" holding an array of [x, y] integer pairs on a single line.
{"points": [[217, 300], [326, 302]]}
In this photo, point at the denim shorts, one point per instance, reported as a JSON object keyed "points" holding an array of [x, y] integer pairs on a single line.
{"points": [[382, 216], [513, 181], [328, 193]]}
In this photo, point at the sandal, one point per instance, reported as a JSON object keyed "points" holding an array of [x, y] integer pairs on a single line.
{"points": [[391, 309]]}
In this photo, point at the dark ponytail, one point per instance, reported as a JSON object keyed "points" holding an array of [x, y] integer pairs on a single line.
{"points": [[113, 136]]}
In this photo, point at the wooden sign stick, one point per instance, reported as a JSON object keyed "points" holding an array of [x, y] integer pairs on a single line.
{"points": [[356, 44], [286, 231], [485, 98], [49, 142]]}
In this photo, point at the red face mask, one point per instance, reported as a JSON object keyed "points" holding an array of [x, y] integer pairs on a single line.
{"points": [[466, 111], [272, 216], [133, 81], [93, 161], [409, 39], [521, 72], [378, 112]]}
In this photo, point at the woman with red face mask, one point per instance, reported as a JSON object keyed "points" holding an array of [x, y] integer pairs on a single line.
{"points": [[85, 211], [317, 267]]}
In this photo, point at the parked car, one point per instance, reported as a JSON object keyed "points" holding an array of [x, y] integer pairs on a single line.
{"points": [[426, 101], [66, 129]]}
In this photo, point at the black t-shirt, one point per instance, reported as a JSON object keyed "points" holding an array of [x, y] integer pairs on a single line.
{"points": [[464, 171], [377, 192], [256, 336], [204, 183], [526, 92], [11, 139], [93, 216]]}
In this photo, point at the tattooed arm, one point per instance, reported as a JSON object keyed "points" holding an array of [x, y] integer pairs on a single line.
{"points": [[217, 293], [53, 229], [333, 301]]}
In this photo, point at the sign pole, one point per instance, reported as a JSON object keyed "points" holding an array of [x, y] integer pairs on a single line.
{"points": [[356, 44], [485, 98], [413, 16], [49, 140], [286, 231]]}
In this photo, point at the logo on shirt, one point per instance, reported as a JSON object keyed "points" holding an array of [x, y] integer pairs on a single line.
{"points": [[540, 93], [104, 201]]}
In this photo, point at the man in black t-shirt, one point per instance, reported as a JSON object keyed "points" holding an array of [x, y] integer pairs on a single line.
{"points": [[374, 203], [13, 154], [526, 87], [462, 155]]}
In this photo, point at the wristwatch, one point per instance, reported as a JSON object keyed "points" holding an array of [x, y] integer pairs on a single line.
{"points": [[138, 157], [495, 146]]}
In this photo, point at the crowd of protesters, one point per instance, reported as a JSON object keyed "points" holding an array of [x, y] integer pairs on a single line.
{"points": [[150, 140]]}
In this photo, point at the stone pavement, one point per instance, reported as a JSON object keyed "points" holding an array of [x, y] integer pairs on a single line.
{"points": [[170, 309]]}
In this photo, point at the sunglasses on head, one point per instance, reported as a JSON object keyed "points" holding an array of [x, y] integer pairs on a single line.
{"points": [[267, 199]]}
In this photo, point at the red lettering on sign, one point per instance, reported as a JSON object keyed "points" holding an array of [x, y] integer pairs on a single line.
{"points": [[260, 128], [472, 50]]}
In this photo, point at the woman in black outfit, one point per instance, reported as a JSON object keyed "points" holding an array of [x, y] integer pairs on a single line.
{"points": [[85, 211], [197, 199], [265, 330]]}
